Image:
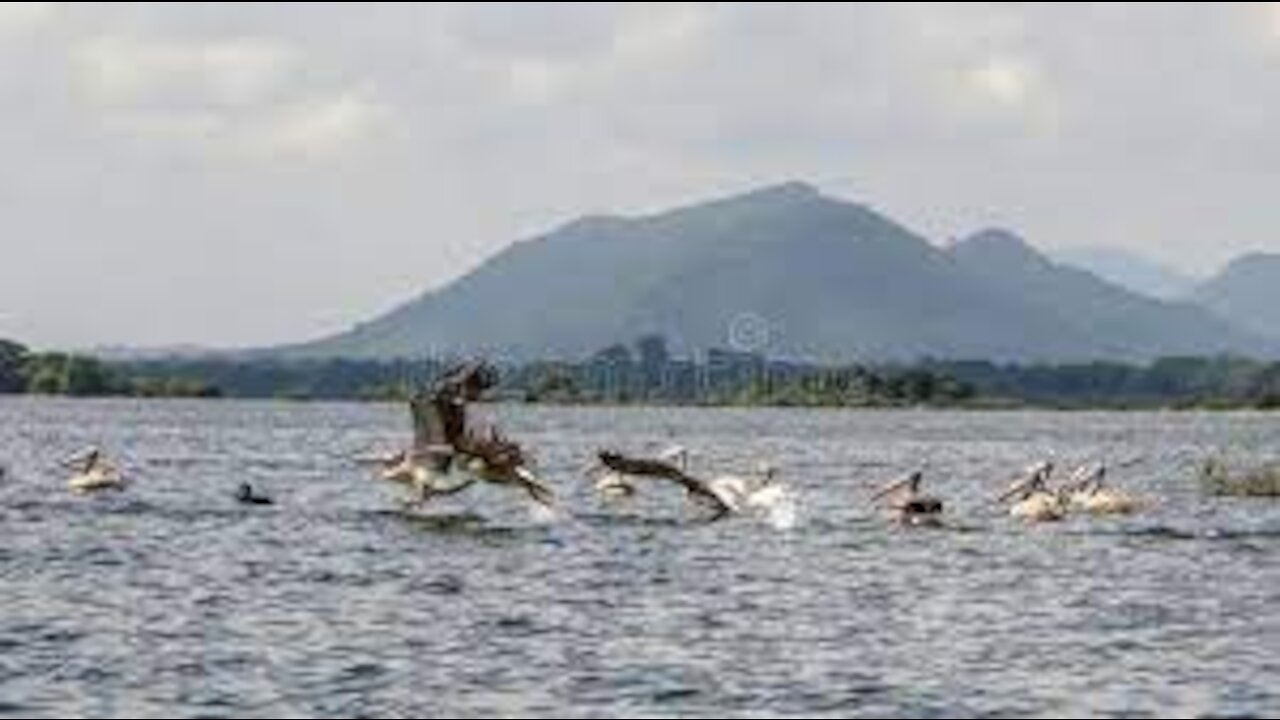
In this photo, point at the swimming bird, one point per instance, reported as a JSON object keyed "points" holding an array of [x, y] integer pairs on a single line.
{"points": [[1032, 499], [1087, 491], [93, 473], [246, 495], [907, 504]]}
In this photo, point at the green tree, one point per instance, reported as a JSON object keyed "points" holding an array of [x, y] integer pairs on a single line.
{"points": [[13, 357]]}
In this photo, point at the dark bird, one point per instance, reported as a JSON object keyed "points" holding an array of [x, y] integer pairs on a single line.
{"points": [[443, 439], [618, 467], [246, 495]]}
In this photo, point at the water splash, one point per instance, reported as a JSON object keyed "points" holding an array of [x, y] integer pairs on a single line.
{"points": [[540, 514], [776, 505]]}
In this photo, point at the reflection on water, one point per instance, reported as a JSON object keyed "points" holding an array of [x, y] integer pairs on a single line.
{"points": [[173, 600]]}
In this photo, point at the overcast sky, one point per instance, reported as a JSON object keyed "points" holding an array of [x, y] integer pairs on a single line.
{"points": [[249, 173]]}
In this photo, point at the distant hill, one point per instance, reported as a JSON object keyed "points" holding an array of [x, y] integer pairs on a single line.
{"points": [[1247, 293], [1128, 270], [785, 270], [1109, 320]]}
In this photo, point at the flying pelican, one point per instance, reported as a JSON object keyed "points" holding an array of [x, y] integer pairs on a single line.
{"points": [[1087, 492], [619, 468], [442, 441], [722, 495], [93, 473], [1033, 501], [907, 505], [616, 471]]}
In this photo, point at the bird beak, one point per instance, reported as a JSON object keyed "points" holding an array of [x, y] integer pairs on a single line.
{"points": [[1017, 487], [890, 489]]}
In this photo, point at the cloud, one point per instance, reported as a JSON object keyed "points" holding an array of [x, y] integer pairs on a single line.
{"points": [[16, 16], [253, 96], [1147, 125], [1001, 81], [652, 30], [1271, 19], [319, 128], [1001, 89], [226, 72]]}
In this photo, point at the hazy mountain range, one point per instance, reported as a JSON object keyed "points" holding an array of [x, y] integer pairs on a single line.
{"points": [[792, 272], [1246, 292], [1129, 270]]}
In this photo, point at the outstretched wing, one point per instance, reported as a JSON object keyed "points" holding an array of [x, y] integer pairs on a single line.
{"points": [[499, 453], [662, 470], [440, 410], [639, 467], [505, 458], [437, 420]]}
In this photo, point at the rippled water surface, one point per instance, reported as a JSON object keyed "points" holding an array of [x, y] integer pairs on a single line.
{"points": [[170, 600]]}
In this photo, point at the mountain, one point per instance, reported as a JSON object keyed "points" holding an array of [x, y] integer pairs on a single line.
{"points": [[785, 270], [1128, 270], [1246, 292], [1111, 321]]}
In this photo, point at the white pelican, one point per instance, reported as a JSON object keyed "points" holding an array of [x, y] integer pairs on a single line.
{"points": [[1088, 493], [754, 492], [94, 474], [907, 505], [422, 475], [1032, 499]]}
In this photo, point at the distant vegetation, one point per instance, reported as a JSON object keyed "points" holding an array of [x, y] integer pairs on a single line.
{"points": [[1187, 382], [616, 375], [647, 373], [54, 373]]}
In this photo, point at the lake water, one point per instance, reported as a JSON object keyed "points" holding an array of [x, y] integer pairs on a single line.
{"points": [[170, 600]]}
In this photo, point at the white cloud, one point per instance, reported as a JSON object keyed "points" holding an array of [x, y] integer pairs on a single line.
{"points": [[655, 29], [319, 128], [1004, 89], [118, 70], [537, 80], [251, 96], [1002, 81], [25, 15], [1271, 19], [1153, 119]]}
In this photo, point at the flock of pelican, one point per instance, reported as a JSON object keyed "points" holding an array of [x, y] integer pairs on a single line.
{"points": [[447, 455], [1030, 498]]}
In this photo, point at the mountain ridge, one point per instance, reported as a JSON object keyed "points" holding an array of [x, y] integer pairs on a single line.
{"points": [[814, 277]]}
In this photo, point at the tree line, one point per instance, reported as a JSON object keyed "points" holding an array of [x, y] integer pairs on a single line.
{"points": [[647, 373]]}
